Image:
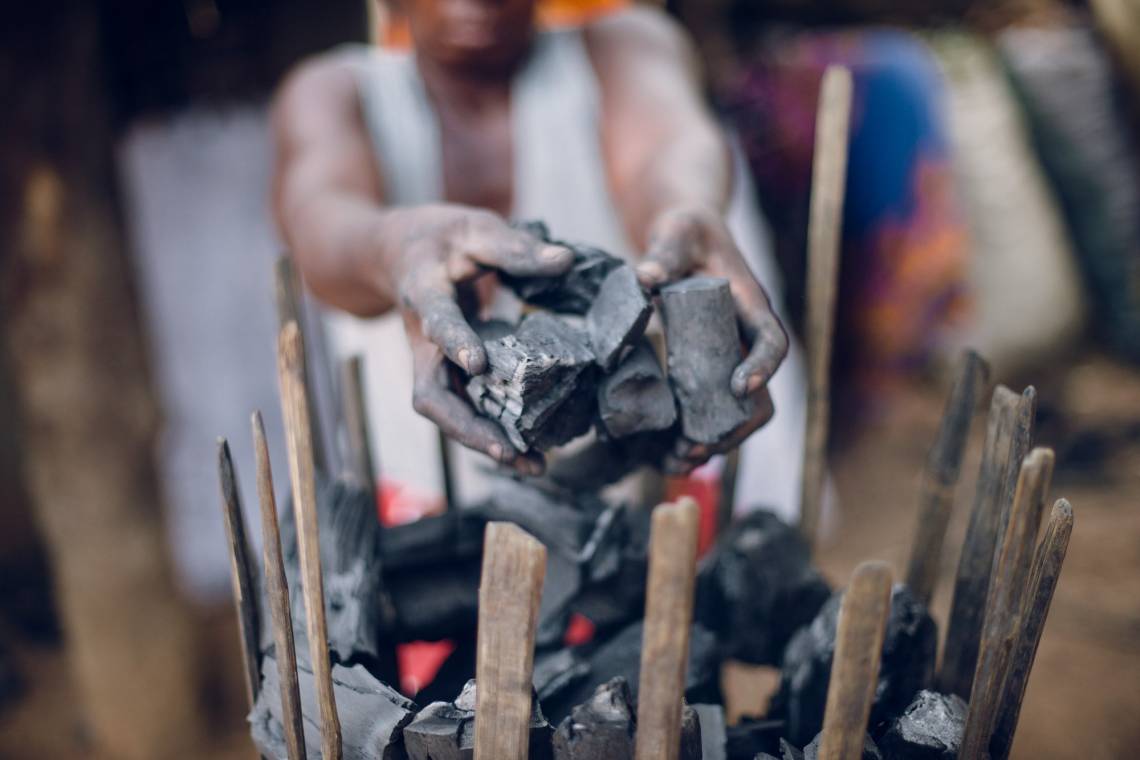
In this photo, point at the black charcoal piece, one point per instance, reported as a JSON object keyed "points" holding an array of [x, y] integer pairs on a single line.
{"points": [[811, 751], [572, 292], [691, 748], [749, 738], [602, 728], [620, 655], [537, 385], [446, 730], [617, 317], [713, 732], [556, 671], [930, 729], [758, 587], [635, 397], [907, 665], [372, 715], [434, 602], [704, 348]]}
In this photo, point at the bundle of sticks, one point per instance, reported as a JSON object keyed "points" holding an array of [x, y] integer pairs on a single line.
{"points": [[303, 704]]}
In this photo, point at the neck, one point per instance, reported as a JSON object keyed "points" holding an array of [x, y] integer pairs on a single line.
{"points": [[464, 88]]}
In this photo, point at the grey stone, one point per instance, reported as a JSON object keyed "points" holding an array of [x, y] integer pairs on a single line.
{"points": [[372, 715], [635, 397], [757, 587], [703, 342], [617, 317], [930, 728]]}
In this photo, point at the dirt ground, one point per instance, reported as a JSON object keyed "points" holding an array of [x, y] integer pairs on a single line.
{"points": [[1084, 693]]}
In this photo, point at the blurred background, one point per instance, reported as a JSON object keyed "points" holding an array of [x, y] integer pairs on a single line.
{"points": [[993, 201]]}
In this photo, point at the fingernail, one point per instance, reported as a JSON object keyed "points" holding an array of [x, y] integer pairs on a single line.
{"points": [[754, 383], [553, 253], [465, 358], [495, 450], [651, 270], [699, 451]]}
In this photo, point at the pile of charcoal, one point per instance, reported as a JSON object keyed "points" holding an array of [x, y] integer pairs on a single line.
{"points": [[758, 600], [579, 359]]}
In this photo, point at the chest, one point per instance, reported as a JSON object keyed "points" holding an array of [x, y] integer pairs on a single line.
{"points": [[477, 152]]}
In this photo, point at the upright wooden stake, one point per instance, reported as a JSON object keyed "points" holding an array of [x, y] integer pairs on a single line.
{"points": [[299, 439], [855, 668], [290, 308], [1042, 582], [668, 619], [829, 174], [1004, 605], [936, 499], [1019, 447], [356, 422], [514, 568], [277, 590], [241, 566], [971, 587]]}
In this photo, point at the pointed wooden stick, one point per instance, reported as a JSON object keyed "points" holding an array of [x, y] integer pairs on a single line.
{"points": [[241, 566], [277, 591], [1042, 582], [356, 423], [855, 668], [668, 620], [299, 440], [290, 308], [514, 567], [829, 173], [975, 564], [1022, 442], [1004, 604], [943, 466]]}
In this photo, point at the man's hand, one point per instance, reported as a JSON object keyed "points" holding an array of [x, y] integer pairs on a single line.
{"points": [[684, 241], [444, 247]]}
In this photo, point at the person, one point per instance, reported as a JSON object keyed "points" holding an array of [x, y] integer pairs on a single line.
{"points": [[396, 175]]}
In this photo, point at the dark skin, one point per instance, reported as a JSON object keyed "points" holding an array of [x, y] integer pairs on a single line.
{"points": [[666, 164]]}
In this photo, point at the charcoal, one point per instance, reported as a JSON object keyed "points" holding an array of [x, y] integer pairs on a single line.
{"points": [[749, 738], [434, 602], [602, 728], [635, 397], [454, 673], [617, 317], [437, 539], [572, 292], [907, 665], [446, 730], [608, 460], [691, 748], [811, 751], [704, 348], [620, 655], [713, 732], [372, 715], [537, 384], [757, 587], [930, 729], [557, 671]]}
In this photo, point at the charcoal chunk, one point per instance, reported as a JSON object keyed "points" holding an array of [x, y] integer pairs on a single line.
{"points": [[758, 587], [537, 385], [635, 397], [372, 715], [704, 348], [870, 751], [713, 732], [602, 728], [930, 729], [617, 317], [446, 730], [691, 748], [572, 292], [749, 738], [907, 665]]}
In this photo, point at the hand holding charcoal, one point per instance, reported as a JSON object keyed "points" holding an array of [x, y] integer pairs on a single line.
{"points": [[446, 247], [686, 241]]}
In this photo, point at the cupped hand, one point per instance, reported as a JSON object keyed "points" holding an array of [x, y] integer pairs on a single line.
{"points": [[445, 247], [687, 241]]}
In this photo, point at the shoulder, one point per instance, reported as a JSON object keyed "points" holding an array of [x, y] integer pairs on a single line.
{"points": [[638, 30], [323, 81]]}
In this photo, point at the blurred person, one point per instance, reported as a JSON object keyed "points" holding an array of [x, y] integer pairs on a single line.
{"points": [[396, 173]]}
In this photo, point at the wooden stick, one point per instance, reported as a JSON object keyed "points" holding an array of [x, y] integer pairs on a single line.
{"points": [[1004, 604], [277, 590], [1042, 582], [356, 423], [855, 669], [668, 619], [290, 308], [936, 499], [450, 497], [1020, 445], [241, 566], [829, 174], [971, 587], [514, 568], [299, 440]]}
